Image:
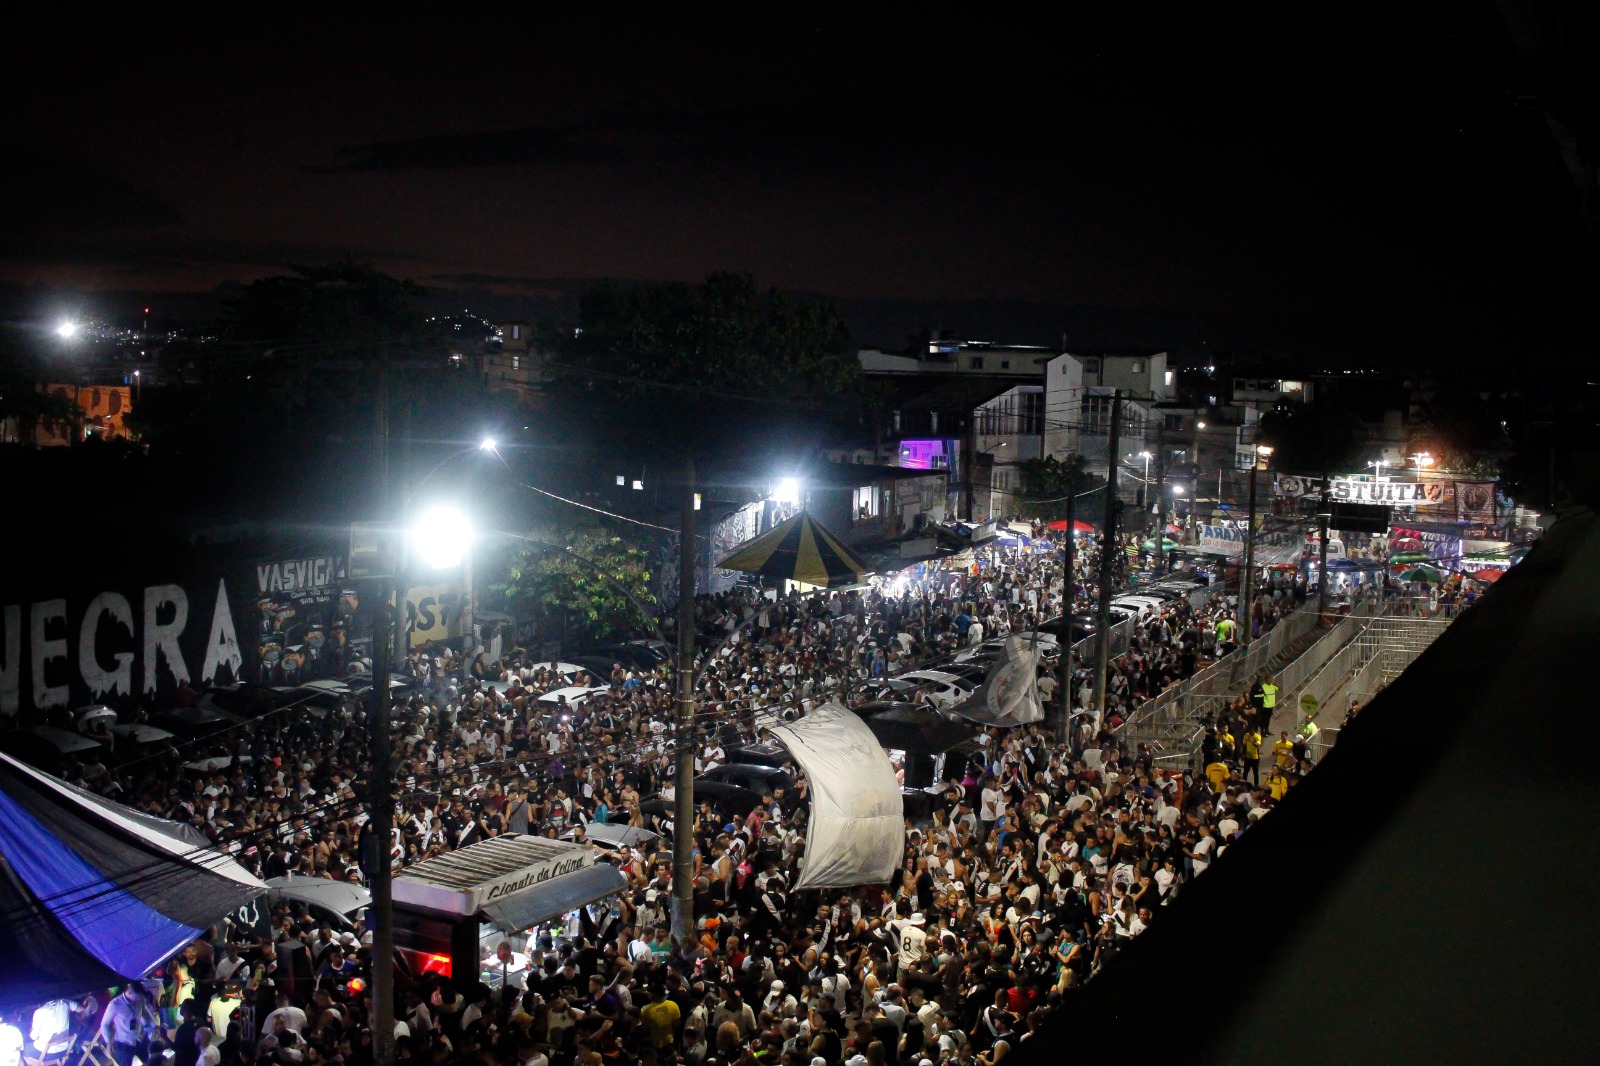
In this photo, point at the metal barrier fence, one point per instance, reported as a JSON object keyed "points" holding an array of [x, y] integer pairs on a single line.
{"points": [[1297, 673], [1379, 653], [1171, 713], [1171, 721]]}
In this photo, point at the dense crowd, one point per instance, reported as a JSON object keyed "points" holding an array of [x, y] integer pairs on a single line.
{"points": [[1042, 858]]}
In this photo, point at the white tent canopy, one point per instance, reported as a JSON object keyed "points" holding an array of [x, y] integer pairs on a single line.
{"points": [[857, 829]]}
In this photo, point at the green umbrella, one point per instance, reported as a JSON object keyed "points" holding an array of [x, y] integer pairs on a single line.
{"points": [[1422, 573], [1166, 545], [1409, 557]]}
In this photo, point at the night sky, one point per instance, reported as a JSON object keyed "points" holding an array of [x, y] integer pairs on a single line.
{"points": [[1363, 177]]}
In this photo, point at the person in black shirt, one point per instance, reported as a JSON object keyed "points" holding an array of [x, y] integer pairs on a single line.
{"points": [[185, 1052]]}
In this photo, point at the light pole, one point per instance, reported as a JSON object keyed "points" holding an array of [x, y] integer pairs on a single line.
{"points": [[1247, 583], [442, 537], [1108, 550], [683, 777]]}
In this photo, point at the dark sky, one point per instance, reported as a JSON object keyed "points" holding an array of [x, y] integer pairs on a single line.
{"points": [[1359, 172]]}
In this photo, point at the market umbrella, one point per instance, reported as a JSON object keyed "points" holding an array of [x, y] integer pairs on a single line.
{"points": [[1173, 529], [1287, 568], [1060, 526], [1489, 575], [1409, 557], [1422, 573], [1166, 544], [799, 549], [1408, 544]]}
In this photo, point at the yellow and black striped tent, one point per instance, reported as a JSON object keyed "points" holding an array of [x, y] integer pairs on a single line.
{"points": [[799, 549]]}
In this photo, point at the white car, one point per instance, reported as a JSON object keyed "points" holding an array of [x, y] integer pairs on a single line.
{"points": [[574, 696], [1142, 604], [994, 647], [947, 690], [564, 669]]}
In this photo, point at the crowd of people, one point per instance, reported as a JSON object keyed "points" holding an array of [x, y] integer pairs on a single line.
{"points": [[1043, 856]]}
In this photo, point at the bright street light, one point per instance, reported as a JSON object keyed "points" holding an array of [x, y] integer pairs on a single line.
{"points": [[441, 537], [1177, 490], [487, 444], [788, 490], [67, 329]]}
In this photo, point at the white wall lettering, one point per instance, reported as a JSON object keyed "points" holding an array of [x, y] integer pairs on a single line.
{"points": [[11, 661], [47, 651], [162, 640], [96, 678], [222, 647]]}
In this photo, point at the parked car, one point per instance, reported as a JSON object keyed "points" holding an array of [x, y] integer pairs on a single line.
{"points": [[247, 700], [765, 754], [49, 749], [196, 723], [732, 788], [573, 696], [875, 707], [555, 666], [318, 699], [639, 654], [974, 670], [1140, 605], [1047, 647], [946, 689], [138, 742], [737, 788], [610, 838]]}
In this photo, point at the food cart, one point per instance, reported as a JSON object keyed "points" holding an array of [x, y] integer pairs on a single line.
{"points": [[453, 913]]}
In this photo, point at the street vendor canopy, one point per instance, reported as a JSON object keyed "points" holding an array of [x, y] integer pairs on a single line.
{"points": [[857, 830], [92, 892], [799, 549]]}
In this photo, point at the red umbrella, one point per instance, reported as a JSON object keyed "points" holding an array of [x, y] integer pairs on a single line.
{"points": [[1489, 576], [1060, 525]]}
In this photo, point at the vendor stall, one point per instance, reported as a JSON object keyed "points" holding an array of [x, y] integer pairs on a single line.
{"points": [[453, 912]]}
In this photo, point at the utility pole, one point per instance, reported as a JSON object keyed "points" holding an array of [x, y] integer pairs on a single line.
{"points": [[1159, 505], [1064, 662], [970, 463], [1108, 551], [1247, 582], [1322, 548], [683, 783], [381, 821]]}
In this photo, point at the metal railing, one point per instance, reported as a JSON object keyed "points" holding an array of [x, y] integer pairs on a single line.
{"points": [[1378, 653], [1333, 644], [1172, 713], [1171, 722]]}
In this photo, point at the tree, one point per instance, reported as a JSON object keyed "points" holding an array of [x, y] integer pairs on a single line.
{"points": [[23, 398], [1314, 439], [289, 387], [684, 364], [554, 581], [1045, 485], [1462, 433]]}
